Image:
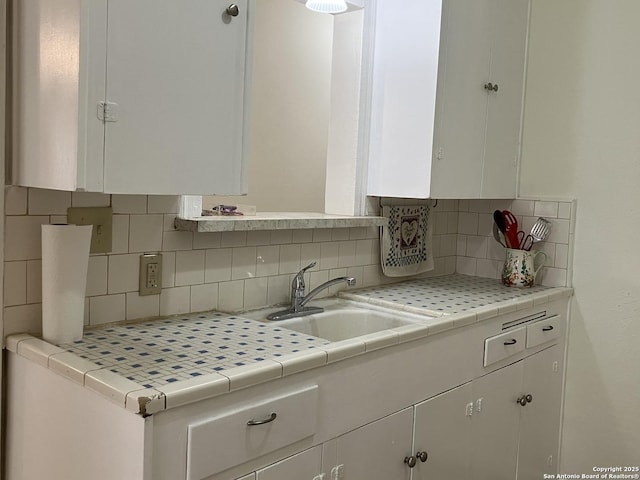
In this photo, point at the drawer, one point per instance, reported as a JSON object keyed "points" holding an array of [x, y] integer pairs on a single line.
{"points": [[504, 345], [227, 439], [543, 331]]}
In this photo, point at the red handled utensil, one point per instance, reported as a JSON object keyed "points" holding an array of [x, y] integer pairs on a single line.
{"points": [[511, 229]]}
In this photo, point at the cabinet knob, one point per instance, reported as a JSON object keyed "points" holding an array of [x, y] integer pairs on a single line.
{"points": [[411, 461], [233, 10], [422, 456], [491, 87], [522, 400], [529, 398]]}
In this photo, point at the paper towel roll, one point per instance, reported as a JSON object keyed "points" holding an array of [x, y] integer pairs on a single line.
{"points": [[65, 260]]}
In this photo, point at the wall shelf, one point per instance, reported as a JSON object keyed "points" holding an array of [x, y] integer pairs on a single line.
{"points": [[276, 221]]}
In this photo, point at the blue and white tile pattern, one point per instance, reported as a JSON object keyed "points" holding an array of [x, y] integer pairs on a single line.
{"points": [[169, 350]]}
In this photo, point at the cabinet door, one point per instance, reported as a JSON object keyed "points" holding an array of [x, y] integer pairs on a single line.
{"points": [[377, 450], [251, 476], [462, 100], [495, 424], [540, 420], [508, 54], [443, 430], [303, 466], [177, 75]]}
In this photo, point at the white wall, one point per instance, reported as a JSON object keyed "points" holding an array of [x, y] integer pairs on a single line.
{"points": [[289, 109], [582, 140]]}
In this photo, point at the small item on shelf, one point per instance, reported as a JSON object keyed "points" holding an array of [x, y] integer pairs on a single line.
{"points": [[225, 210]]}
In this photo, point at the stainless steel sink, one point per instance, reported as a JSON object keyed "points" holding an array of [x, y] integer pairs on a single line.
{"points": [[343, 319]]}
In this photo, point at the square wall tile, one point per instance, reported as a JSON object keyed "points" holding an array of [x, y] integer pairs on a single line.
{"points": [[258, 237], [15, 200], [23, 319], [120, 234], [339, 234], [129, 203], [218, 265], [48, 202], [204, 297], [255, 293], [231, 296], [477, 246], [15, 283], [452, 222], [564, 210], [278, 289], [163, 203], [347, 253], [107, 309], [23, 237], [243, 263], [138, 307], [206, 240], [145, 233], [309, 253], [123, 273], [559, 231], [34, 281], [279, 237], [90, 199], [190, 267], [468, 223], [466, 265], [523, 207], [175, 300], [304, 235], [177, 240], [233, 239], [364, 252], [168, 269], [546, 209], [322, 235], [268, 259], [329, 255], [289, 258], [97, 276]]}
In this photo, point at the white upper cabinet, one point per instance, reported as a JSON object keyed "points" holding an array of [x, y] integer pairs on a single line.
{"points": [[133, 96], [466, 144]]}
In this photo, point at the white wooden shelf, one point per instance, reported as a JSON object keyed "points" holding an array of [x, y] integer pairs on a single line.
{"points": [[275, 221]]}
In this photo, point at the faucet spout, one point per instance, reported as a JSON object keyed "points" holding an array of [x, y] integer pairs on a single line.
{"points": [[349, 280], [299, 299]]}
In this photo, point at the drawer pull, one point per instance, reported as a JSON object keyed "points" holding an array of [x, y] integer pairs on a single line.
{"points": [[547, 329], [271, 418], [513, 341]]}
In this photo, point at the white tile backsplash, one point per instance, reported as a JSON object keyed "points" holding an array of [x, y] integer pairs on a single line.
{"points": [[232, 271]]}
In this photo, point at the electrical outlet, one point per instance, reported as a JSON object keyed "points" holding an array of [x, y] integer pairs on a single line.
{"points": [[101, 219], [150, 274]]}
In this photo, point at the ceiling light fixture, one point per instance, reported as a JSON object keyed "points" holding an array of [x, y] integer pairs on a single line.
{"points": [[327, 6]]}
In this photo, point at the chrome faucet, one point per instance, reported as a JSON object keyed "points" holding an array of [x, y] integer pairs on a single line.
{"points": [[298, 298]]}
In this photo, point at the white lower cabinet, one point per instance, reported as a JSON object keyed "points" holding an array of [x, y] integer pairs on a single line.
{"points": [[306, 465]]}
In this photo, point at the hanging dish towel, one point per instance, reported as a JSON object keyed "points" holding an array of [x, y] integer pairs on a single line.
{"points": [[405, 244]]}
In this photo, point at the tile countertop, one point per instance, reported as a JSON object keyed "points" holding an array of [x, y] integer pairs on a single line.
{"points": [[151, 366]]}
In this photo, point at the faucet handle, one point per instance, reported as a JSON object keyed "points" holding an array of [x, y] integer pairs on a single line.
{"points": [[311, 265], [298, 286]]}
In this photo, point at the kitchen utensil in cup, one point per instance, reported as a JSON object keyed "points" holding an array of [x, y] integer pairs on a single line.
{"points": [[511, 229], [498, 235], [520, 267]]}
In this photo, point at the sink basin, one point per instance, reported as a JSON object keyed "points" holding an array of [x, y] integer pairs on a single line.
{"points": [[344, 323], [343, 319]]}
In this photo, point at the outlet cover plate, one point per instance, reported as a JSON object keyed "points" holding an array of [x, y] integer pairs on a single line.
{"points": [[150, 274], [101, 219]]}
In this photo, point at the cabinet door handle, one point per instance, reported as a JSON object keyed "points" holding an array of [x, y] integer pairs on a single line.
{"points": [[547, 329], [233, 10], [422, 456], [513, 341], [271, 418], [411, 461], [491, 87]]}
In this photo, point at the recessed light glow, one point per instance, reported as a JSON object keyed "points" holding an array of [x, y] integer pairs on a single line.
{"points": [[327, 6]]}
